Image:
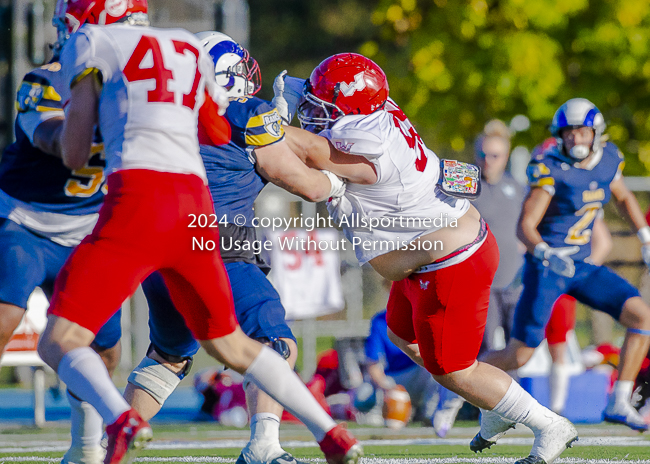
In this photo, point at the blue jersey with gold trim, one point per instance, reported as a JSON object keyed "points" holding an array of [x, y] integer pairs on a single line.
{"points": [[578, 195], [232, 178], [32, 176]]}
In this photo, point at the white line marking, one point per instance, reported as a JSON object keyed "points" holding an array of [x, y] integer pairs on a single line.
{"points": [[451, 460]]}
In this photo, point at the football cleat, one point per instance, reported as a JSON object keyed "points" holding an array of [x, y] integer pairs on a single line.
{"points": [[493, 427], [551, 442], [128, 434], [622, 412], [286, 458], [340, 447], [444, 418], [88, 455]]}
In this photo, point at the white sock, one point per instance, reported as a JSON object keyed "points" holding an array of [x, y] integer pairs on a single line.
{"points": [[622, 391], [518, 406], [558, 382], [85, 374], [273, 375], [265, 426], [86, 425]]}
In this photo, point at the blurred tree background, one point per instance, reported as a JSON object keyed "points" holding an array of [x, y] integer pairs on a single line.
{"points": [[453, 65]]}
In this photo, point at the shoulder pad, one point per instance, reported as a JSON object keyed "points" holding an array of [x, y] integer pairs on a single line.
{"points": [[264, 125], [36, 92], [360, 134]]}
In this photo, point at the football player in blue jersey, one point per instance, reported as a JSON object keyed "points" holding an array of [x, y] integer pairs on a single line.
{"points": [[237, 172], [45, 211], [570, 183]]}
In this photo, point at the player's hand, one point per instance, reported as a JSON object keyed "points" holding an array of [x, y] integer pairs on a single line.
{"points": [[338, 185], [288, 93], [557, 259]]}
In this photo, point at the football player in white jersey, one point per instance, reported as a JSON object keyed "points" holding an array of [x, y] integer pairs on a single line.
{"points": [[147, 88], [435, 247]]}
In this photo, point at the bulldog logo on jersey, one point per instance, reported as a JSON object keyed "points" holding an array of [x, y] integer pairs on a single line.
{"points": [[358, 84], [116, 8], [272, 123]]}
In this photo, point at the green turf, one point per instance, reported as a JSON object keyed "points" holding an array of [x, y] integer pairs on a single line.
{"points": [[614, 453]]}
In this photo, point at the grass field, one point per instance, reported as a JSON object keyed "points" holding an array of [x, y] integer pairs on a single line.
{"points": [[208, 443]]}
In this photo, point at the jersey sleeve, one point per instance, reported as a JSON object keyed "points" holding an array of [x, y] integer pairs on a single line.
{"points": [[79, 58], [37, 101], [264, 125], [621, 165], [360, 135], [540, 175]]}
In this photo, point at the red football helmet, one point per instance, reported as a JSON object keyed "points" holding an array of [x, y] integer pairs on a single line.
{"points": [[70, 15], [347, 83]]}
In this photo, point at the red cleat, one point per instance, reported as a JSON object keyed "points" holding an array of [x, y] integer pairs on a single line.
{"points": [[129, 433], [340, 447]]}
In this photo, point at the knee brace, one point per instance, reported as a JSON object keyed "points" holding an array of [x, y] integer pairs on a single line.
{"points": [[156, 379], [281, 347]]}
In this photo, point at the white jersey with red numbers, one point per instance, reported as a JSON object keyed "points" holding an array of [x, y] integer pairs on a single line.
{"points": [[154, 83], [405, 202]]}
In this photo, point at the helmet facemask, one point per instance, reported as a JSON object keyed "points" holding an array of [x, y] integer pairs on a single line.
{"points": [[316, 114], [240, 79]]}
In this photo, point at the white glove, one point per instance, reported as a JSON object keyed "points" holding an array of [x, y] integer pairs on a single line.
{"points": [[288, 93], [338, 185], [557, 259], [644, 236]]}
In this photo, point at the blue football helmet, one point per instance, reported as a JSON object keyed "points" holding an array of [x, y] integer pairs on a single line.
{"points": [[578, 112], [234, 68]]}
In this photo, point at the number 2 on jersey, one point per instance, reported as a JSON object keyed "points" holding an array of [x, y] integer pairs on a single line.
{"points": [[158, 72], [578, 233]]}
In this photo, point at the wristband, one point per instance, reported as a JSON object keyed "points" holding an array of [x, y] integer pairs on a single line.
{"points": [[644, 234], [540, 250]]}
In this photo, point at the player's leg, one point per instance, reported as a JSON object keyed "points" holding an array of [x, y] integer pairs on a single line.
{"points": [[449, 328], [610, 293], [86, 425], [129, 241], [206, 304], [541, 288], [261, 316], [169, 357], [22, 269], [562, 320]]}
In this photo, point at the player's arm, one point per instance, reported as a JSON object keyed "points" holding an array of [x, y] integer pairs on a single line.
{"points": [[319, 153], [379, 377], [81, 118], [47, 136], [532, 212], [279, 165], [627, 204]]}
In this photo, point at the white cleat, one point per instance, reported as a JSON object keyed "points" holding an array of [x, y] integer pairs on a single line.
{"points": [[622, 412], [551, 442], [493, 427], [444, 418], [269, 452], [94, 455]]}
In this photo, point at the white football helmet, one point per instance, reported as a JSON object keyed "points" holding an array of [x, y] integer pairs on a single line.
{"points": [[235, 70], [578, 112]]}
